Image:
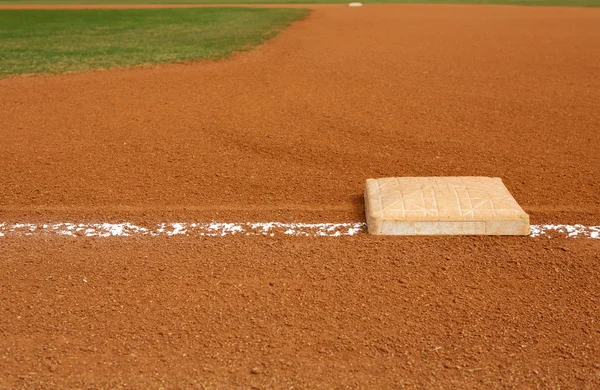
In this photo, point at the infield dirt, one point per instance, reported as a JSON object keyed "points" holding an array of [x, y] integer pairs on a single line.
{"points": [[290, 132]]}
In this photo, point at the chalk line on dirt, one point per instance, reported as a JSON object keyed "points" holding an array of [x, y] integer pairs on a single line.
{"points": [[220, 229]]}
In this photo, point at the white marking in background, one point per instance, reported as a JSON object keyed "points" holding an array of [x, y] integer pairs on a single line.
{"points": [[220, 229]]}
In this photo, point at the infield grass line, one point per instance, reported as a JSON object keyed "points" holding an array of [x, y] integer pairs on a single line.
{"points": [[568, 3], [55, 41]]}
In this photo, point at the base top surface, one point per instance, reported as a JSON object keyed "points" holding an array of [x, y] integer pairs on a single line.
{"points": [[465, 198]]}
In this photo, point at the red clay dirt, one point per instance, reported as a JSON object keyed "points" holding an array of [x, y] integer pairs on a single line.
{"points": [[290, 132]]}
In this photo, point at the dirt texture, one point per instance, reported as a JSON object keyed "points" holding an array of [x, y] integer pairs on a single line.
{"points": [[290, 132]]}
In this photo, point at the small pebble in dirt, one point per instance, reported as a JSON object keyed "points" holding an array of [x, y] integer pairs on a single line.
{"points": [[255, 370]]}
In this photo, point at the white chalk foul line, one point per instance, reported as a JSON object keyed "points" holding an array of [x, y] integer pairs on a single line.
{"points": [[211, 229], [219, 229], [570, 231]]}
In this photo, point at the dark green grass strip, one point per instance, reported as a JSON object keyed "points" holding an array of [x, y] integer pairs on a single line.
{"points": [[573, 3], [80, 40]]}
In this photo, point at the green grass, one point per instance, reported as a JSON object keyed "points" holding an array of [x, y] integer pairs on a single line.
{"points": [[69, 40], [574, 3]]}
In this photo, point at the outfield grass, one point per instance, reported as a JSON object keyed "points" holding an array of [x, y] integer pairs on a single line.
{"points": [[574, 3], [80, 40]]}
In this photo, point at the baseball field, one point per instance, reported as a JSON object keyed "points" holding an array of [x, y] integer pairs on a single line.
{"points": [[181, 195]]}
